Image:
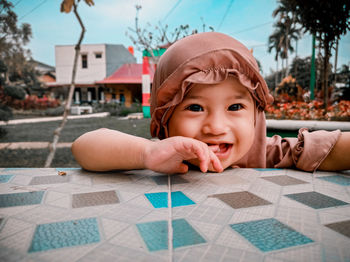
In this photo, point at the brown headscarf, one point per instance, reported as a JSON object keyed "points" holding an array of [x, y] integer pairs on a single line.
{"points": [[208, 58]]}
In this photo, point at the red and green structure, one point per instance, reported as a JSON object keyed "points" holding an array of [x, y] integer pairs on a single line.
{"points": [[146, 87], [147, 70]]}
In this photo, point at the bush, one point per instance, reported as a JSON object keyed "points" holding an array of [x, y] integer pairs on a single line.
{"points": [[5, 113], [15, 92], [309, 111], [3, 132], [116, 109], [58, 111], [33, 102]]}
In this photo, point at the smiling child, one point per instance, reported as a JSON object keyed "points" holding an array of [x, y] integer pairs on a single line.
{"points": [[207, 107]]}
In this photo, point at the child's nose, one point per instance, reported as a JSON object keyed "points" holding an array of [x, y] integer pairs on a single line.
{"points": [[215, 124]]}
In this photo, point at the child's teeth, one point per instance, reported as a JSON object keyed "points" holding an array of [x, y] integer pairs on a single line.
{"points": [[214, 148]]}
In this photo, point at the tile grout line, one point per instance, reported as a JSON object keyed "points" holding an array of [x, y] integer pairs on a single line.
{"points": [[170, 226]]}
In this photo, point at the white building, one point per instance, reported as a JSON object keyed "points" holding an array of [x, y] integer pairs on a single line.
{"points": [[95, 62]]}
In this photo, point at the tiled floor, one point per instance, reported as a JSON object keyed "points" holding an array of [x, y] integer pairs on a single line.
{"points": [[239, 215]]}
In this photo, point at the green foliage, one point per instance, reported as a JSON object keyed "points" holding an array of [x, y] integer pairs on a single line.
{"points": [[15, 65], [5, 113], [328, 20], [57, 111], [15, 92], [116, 109], [3, 67]]}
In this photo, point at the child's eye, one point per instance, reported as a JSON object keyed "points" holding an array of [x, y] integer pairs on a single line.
{"points": [[235, 107], [195, 108]]}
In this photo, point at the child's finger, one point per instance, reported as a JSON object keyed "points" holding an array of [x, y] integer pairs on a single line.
{"points": [[198, 150], [182, 168], [215, 162], [203, 156]]}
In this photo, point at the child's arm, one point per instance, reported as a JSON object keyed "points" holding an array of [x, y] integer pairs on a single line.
{"points": [[106, 149], [339, 157]]}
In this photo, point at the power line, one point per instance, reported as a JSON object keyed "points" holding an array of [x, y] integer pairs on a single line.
{"points": [[253, 27], [31, 11], [14, 5], [171, 10], [224, 17]]}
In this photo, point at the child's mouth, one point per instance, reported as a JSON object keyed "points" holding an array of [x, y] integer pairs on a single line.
{"points": [[220, 150]]}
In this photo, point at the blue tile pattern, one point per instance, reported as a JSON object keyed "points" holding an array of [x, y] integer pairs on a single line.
{"points": [[67, 222], [67, 168], [184, 234], [65, 234], [340, 180], [316, 200], [5, 178], [270, 234], [160, 200], [267, 169], [21, 199], [19, 168], [155, 234]]}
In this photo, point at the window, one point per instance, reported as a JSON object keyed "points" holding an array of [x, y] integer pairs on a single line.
{"points": [[84, 61], [98, 55]]}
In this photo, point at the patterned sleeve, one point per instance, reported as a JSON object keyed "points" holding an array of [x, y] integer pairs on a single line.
{"points": [[306, 152]]}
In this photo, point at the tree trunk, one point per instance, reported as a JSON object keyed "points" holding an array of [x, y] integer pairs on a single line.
{"points": [[57, 132], [276, 76], [325, 74], [336, 62], [287, 67]]}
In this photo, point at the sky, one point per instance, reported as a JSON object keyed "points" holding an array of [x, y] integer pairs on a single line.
{"points": [[249, 21]]}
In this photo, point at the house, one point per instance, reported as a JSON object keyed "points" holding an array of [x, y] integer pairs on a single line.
{"points": [[95, 62], [125, 84], [42, 68]]}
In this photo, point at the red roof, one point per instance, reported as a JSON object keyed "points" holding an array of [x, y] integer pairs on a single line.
{"points": [[126, 74]]}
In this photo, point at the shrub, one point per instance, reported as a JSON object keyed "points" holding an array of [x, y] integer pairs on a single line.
{"points": [[57, 111], [15, 92], [5, 113], [309, 111], [116, 109]]}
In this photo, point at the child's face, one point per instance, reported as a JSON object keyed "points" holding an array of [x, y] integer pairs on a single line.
{"points": [[220, 115]]}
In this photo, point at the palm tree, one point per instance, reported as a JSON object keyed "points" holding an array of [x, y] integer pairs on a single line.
{"points": [[287, 26], [274, 44], [287, 34]]}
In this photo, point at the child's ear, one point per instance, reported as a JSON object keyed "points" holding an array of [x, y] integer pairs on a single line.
{"points": [[251, 50]]}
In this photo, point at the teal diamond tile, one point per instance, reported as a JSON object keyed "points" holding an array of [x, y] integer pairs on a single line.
{"points": [[5, 178], [340, 180], [270, 234], [65, 234], [155, 234], [21, 199], [67, 168], [160, 199], [267, 169]]}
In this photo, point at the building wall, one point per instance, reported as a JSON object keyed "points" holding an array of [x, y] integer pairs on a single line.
{"points": [[117, 55], [112, 57]]}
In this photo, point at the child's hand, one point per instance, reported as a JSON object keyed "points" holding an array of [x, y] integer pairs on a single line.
{"points": [[167, 155]]}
